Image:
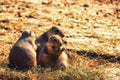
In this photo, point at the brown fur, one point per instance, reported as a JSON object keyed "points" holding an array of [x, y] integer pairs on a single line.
{"points": [[23, 53], [52, 55], [42, 39]]}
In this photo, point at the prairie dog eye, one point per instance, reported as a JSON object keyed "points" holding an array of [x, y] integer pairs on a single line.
{"points": [[56, 30], [53, 39], [55, 48]]}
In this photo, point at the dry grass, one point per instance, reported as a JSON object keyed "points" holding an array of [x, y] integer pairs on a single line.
{"points": [[92, 31]]}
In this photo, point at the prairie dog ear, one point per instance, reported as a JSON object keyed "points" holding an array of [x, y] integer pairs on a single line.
{"points": [[64, 42], [32, 33], [25, 33]]}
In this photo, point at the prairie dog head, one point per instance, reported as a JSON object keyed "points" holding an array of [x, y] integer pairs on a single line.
{"points": [[55, 30], [28, 33], [55, 43]]}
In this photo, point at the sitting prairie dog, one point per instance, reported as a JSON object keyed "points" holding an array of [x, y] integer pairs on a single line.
{"points": [[23, 53], [52, 54], [42, 39]]}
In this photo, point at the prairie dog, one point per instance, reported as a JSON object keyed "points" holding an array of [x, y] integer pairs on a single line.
{"points": [[23, 53], [52, 54], [42, 39]]}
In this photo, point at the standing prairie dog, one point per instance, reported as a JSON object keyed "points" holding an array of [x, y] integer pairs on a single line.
{"points": [[42, 39], [52, 54], [23, 53]]}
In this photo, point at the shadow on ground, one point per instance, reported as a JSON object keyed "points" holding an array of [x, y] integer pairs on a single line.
{"points": [[94, 55]]}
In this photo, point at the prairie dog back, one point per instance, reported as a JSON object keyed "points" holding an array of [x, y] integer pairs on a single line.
{"points": [[23, 53]]}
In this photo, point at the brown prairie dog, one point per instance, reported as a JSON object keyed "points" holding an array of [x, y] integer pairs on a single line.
{"points": [[52, 54], [42, 39], [23, 53]]}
